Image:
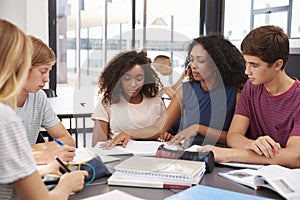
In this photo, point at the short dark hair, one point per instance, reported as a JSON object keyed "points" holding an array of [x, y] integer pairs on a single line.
{"points": [[269, 43], [158, 57]]}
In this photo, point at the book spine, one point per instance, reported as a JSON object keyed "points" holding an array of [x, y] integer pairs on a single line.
{"points": [[147, 184], [121, 181], [175, 186]]}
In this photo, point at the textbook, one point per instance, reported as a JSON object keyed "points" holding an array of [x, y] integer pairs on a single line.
{"points": [[242, 165], [282, 180], [208, 193], [155, 172]]}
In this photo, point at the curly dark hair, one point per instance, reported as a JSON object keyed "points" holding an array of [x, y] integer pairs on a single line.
{"points": [[109, 81], [228, 59]]}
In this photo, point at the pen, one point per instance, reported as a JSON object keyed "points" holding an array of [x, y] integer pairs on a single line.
{"points": [[59, 142], [273, 150], [62, 164], [122, 154]]}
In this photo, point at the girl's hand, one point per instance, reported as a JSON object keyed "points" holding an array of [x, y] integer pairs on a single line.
{"points": [[121, 138], [184, 135], [164, 137]]}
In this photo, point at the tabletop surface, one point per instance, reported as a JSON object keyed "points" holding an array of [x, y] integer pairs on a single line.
{"points": [[209, 179]]}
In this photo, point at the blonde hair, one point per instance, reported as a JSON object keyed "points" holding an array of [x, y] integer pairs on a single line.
{"points": [[42, 54], [15, 59]]}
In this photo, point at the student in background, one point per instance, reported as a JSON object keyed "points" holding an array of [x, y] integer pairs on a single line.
{"points": [[36, 112], [19, 178], [163, 66], [208, 100], [266, 126], [129, 89]]}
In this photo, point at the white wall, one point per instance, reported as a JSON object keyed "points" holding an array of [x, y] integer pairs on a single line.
{"points": [[14, 11], [29, 15]]}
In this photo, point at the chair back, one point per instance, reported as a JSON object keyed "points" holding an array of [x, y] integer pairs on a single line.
{"points": [[49, 92]]}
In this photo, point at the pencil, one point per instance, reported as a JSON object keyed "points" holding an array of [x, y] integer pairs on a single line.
{"points": [[62, 164]]}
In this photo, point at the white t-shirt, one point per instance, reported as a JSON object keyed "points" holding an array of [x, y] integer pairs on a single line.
{"points": [[126, 116], [15, 152]]}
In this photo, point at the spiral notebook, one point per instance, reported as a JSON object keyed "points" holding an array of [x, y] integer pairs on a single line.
{"points": [[157, 173]]}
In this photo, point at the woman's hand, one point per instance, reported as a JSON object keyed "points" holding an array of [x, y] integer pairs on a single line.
{"points": [[265, 145], [184, 135], [121, 138], [73, 180], [65, 153], [50, 168], [164, 137]]}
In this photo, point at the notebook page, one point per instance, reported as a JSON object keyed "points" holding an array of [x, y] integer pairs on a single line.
{"points": [[85, 154], [139, 148]]}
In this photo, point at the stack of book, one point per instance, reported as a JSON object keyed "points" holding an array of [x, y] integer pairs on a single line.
{"points": [[157, 173]]}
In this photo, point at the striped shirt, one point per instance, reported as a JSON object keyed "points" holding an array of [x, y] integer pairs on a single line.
{"points": [[36, 113], [275, 116], [15, 152]]}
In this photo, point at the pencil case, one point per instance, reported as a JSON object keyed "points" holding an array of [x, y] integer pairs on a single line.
{"points": [[50, 181], [207, 157], [95, 168]]}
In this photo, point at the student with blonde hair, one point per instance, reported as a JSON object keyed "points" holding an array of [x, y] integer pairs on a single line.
{"points": [[36, 112], [19, 178]]}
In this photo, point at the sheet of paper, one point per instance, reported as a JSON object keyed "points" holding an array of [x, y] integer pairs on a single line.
{"points": [[84, 154], [193, 148], [243, 165], [114, 151], [138, 148], [146, 148], [114, 195]]}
